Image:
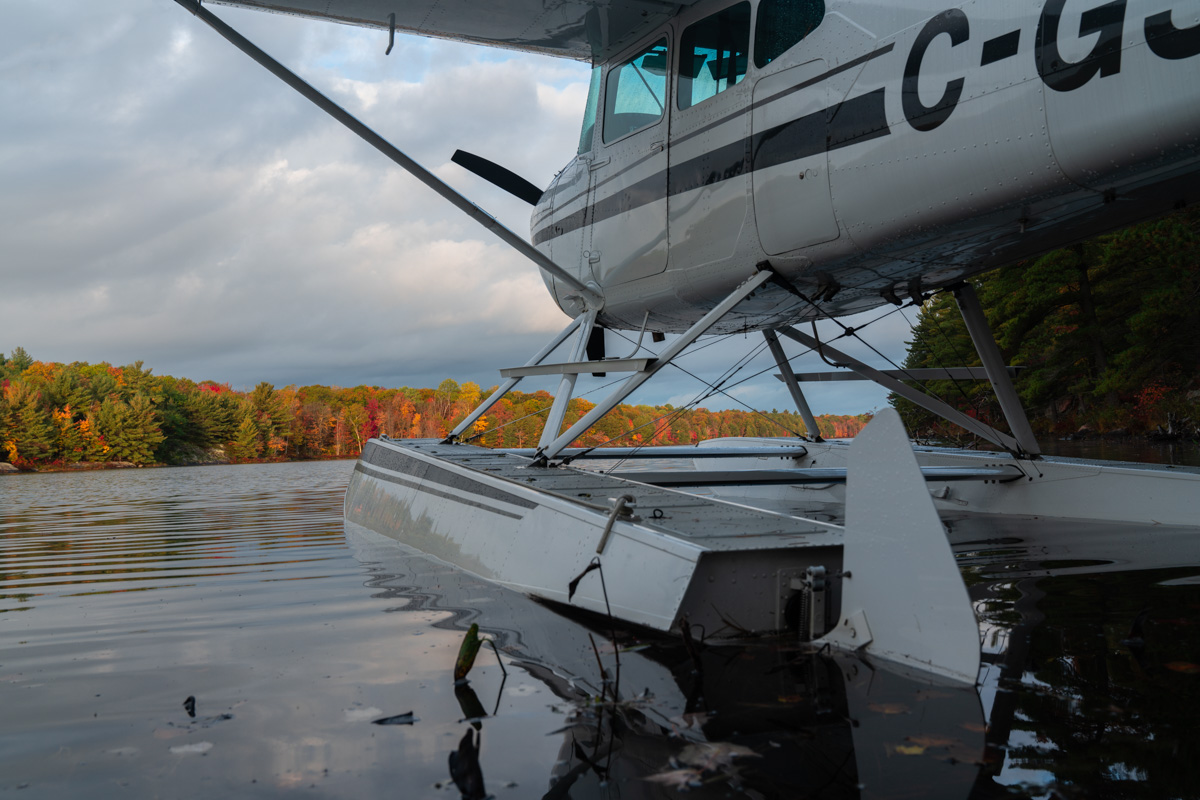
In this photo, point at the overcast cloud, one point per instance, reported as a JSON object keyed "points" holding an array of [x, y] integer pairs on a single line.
{"points": [[165, 199]]}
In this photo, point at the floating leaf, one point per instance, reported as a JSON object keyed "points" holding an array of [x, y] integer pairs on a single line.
{"points": [[933, 741], [1186, 667], [677, 778], [399, 719], [713, 756], [889, 708], [467, 652], [909, 749]]}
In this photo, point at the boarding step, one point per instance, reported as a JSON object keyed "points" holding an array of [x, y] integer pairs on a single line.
{"points": [[579, 367]]}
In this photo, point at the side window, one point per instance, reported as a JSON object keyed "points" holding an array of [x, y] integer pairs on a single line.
{"points": [[636, 93], [713, 54], [589, 113], [781, 24]]}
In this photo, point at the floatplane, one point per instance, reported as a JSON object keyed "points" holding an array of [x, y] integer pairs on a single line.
{"points": [[760, 165]]}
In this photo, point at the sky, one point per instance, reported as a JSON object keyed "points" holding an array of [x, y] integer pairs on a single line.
{"points": [[164, 199]]}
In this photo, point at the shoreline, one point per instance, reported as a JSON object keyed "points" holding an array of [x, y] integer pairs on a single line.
{"points": [[100, 466], [1127, 440]]}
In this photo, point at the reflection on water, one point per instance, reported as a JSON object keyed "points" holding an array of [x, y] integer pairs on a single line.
{"points": [[1182, 453], [124, 593]]}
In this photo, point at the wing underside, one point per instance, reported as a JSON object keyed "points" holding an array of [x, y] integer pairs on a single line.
{"points": [[584, 30]]}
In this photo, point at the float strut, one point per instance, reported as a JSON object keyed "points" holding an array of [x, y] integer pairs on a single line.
{"points": [[789, 378], [566, 384], [993, 364]]}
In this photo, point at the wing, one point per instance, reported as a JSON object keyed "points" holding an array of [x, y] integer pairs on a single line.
{"points": [[585, 30]]}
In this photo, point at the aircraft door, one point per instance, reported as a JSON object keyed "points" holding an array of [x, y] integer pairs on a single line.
{"points": [[709, 177], [793, 207], [628, 196]]}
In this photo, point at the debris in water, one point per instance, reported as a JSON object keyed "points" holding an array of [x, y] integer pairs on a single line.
{"points": [[197, 747], [465, 769], [681, 779], [908, 749], [189, 705], [712, 756], [467, 652], [399, 719]]}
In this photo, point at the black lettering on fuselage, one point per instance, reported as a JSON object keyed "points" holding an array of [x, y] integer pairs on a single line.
{"points": [[1167, 41], [1105, 57], [922, 117]]}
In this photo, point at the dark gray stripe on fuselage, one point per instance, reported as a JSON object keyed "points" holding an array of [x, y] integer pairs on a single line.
{"points": [[859, 119], [386, 458], [378, 474]]}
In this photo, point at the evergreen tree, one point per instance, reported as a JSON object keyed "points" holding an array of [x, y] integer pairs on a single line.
{"points": [[18, 361], [26, 431], [247, 443]]}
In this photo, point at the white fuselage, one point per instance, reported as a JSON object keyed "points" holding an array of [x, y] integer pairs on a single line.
{"points": [[897, 147]]}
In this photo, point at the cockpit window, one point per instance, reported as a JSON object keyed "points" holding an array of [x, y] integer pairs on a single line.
{"points": [[589, 113], [781, 24], [713, 54], [636, 94]]}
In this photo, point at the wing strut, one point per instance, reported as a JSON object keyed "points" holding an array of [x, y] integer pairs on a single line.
{"points": [[391, 151]]}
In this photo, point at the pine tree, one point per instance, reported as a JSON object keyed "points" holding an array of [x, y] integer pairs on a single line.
{"points": [[247, 444], [26, 431]]}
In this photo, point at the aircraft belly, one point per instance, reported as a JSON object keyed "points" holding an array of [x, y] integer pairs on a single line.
{"points": [[792, 203]]}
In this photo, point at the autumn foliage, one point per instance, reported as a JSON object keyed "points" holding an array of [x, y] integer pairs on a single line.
{"points": [[54, 415]]}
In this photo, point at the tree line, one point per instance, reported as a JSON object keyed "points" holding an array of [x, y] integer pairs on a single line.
{"points": [[1106, 334], [56, 415]]}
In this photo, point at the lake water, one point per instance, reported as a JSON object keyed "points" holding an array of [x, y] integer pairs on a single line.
{"points": [[124, 593]]}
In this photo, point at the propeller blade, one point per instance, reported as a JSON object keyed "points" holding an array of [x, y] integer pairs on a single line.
{"points": [[492, 172]]}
